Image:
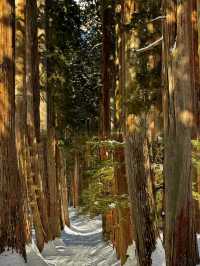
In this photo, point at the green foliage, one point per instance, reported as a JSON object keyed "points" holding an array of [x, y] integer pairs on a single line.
{"points": [[196, 153], [146, 87], [196, 165], [74, 62], [110, 145], [95, 198], [196, 195], [156, 149], [97, 195]]}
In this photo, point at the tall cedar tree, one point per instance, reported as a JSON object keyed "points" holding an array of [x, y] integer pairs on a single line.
{"points": [[11, 200], [21, 106], [180, 237], [136, 148]]}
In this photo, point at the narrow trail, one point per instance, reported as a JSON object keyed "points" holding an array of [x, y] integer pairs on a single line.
{"points": [[80, 245]]}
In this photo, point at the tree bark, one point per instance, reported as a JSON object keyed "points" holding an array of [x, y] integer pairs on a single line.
{"points": [[20, 107], [122, 226], [42, 135], [12, 200], [54, 218], [76, 180], [32, 86], [62, 188], [140, 194], [136, 151], [195, 9], [180, 238], [108, 65]]}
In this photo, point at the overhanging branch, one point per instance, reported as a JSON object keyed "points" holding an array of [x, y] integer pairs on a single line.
{"points": [[149, 47], [158, 18]]}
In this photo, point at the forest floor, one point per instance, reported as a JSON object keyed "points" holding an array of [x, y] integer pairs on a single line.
{"points": [[80, 245]]}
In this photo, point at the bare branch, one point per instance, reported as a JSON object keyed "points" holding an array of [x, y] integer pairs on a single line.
{"points": [[95, 46], [158, 18], [150, 46]]}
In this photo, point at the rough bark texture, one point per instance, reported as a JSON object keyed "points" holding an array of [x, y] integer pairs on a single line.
{"points": [[62, 188], [76, 180], [20, 107], [122, 234], [36, 186], [196, 96], [138, 172], [11, 203], [195, 76], [180, 238], [108, 85], [137, 156], [108, 66], [54, 218], [43, 151]]}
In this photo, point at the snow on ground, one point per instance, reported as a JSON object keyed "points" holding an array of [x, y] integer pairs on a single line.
{"points": [[80, 245], [158, 256], [9, 259], [198, 241], [131, 252]]}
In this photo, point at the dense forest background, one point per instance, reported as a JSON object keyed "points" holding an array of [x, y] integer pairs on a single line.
{"points": [[99, 110]]}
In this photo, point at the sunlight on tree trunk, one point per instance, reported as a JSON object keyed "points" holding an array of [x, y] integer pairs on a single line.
{"points": [[180, 238], [12, 198], [137, 154], [20, 109]]}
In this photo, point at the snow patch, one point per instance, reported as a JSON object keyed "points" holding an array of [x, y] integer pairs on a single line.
{"points": [[198, 242], [9, 258], [158, 256], [132, 259], [112, 205], [34, 258]]}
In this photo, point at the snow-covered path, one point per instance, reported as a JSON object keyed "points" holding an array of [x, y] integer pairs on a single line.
{"points": [[81, 245]]}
